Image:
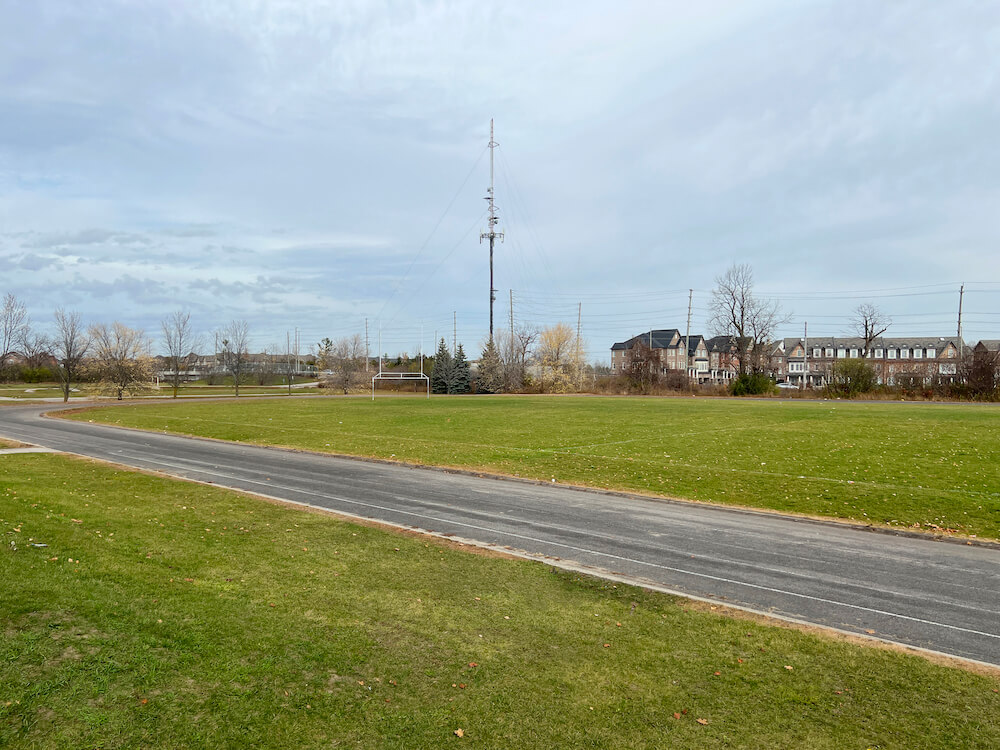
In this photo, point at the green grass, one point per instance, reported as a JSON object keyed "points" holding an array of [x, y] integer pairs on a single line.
{"points": [[197, 388], [171, 615], [928, 466], [33, 390]]}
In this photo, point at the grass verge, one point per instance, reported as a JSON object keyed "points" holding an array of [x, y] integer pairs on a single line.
{"points": [[174, 615], [923, 466]]}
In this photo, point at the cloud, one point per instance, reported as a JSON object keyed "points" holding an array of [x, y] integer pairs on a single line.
{"points": [[327, 163]]}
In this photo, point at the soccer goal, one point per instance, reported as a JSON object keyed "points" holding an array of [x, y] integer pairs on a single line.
{"points": [[408, 377]]}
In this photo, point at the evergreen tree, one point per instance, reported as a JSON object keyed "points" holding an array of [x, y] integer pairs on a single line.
{"points": [[460, 377], [441, 375], [490, 379]]}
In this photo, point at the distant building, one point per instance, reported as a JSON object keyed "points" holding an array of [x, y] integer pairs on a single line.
{"points": [[704, 360], [896, 360]]}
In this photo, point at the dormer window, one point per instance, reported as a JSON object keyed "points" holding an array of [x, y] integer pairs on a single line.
{"points": [[931, 353]]}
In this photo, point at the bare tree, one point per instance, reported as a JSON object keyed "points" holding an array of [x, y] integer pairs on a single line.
{"points": [[980, 371], [642, 366], [346, 358], [180, 341], [13, 327], [69, 346], [515, 351], [556, 349], [35, 348], [749, 321], [121, 358], [868, 322], [235, 354]]}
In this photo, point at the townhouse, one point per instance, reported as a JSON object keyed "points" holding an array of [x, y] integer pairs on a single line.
{"points": [[907, 360], [704, 360]]}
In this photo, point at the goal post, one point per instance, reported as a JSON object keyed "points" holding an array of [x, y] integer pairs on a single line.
{"points": [[401, 376]]}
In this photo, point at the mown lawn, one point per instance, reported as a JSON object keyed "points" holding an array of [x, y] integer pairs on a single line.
{"points": [[171, 615], [930, 466]]}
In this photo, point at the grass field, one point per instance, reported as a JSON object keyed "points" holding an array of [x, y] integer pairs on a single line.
{"points": [[201, 389], [928, 466], [32, 390], [171, 615]]}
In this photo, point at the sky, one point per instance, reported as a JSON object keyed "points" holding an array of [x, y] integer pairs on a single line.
{"points": [[312, 165]]}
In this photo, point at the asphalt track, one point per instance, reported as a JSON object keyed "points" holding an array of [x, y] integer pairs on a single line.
{"points": [[939, 596]]}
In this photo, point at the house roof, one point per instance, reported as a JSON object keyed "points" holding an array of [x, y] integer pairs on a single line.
{"points": [[882, 342], [662, 338]]}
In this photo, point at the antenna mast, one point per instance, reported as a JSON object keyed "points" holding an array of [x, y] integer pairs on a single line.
{"points": [[491, 234]]}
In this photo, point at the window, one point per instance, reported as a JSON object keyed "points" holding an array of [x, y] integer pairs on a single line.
{"points": [[918, 353], [817, 352], [854, 353], [947, 368], [878, 354], [931, 353], [904, 353], [841, 352], [795, 367], [892, 353], [829, 352]]}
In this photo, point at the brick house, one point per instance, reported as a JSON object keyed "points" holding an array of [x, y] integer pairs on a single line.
{"points": [[704, 359], [896, 360]]}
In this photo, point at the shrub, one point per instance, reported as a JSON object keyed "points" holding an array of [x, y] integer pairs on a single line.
{"points": [[37, 375], [852, 377], [752, 384]]}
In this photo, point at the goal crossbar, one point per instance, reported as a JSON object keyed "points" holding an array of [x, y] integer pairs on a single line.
{"points": [[400, 376]]}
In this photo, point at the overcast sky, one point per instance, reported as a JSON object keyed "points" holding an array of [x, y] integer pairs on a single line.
{"points": [[310, 164]]}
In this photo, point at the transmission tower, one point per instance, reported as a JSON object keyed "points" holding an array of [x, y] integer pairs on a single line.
{"points": [[491, 233]]}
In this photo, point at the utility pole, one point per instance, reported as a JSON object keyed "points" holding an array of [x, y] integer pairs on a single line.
{"points": [[491, 234], [454, 333], [288, 363], [687, 340], [368, 355], [579, 363], [296, 350], [961, 343]]}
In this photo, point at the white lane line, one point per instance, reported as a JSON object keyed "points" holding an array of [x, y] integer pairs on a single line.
{"points": [[596, 553]]}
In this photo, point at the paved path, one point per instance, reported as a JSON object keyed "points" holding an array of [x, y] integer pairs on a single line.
{"points": [[934, 595]]}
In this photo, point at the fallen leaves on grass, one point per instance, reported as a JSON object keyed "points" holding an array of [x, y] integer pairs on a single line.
{"points": [[703, 722], [459, 732]]}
